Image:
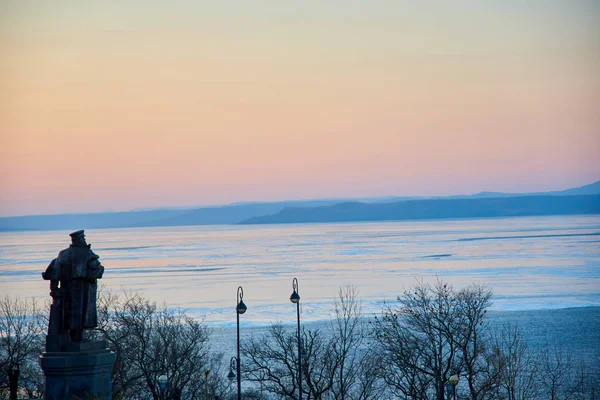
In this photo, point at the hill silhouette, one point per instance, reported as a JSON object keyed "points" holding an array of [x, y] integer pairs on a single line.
{"points": [[375, 208], [437, 209]]}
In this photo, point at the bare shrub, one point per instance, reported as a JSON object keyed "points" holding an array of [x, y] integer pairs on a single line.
{"points": [[21, 342]]}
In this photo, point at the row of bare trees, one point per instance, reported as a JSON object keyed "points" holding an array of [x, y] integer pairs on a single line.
{"points": [[150, 341], [408, 352], [339, 361], [436, 331], [412, 349]]}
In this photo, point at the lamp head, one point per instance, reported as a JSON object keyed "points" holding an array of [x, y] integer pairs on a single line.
{"points": [[241, 307], [162, 382], [295, 297], [231, 375], [232, 366]]}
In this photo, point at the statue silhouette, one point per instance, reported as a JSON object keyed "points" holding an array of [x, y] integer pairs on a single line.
{"points": [[73, 279]]}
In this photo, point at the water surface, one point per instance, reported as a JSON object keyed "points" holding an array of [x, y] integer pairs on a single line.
{"points": [[531, 263]]}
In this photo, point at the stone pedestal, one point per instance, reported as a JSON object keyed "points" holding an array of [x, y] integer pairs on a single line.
{"points": [[81, 372]]}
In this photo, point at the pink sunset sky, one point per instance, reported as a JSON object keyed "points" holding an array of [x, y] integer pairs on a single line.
{"points": [[135, 104]]}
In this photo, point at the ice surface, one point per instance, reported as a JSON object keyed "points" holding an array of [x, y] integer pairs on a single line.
{"points": [[531, 263]]}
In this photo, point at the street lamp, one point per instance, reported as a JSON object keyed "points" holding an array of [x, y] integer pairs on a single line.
{"points": [[232, 367], [295, 298], [206, 372], [240, 308], [13, 380], [162, 384], [453, 381]]}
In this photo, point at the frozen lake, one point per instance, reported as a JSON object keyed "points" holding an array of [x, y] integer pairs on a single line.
{"points": [[530, 263]]}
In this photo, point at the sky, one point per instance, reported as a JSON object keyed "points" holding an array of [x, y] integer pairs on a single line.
{"points": [[118, 105]]}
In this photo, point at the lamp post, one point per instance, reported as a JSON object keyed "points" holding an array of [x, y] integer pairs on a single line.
{"points": [[233, 366], [240, 308], [453, 381], [13, 381], [295, 298], [206, 372], [162, 384]]}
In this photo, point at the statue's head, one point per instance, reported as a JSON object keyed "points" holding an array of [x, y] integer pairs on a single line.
{"points": [[78, 238]]}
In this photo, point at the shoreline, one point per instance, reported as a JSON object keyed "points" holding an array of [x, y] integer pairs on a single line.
{"points": [[573, 329], [292, 322]]}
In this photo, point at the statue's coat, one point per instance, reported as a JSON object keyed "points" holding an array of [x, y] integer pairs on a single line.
{"points": [[77, 268]]}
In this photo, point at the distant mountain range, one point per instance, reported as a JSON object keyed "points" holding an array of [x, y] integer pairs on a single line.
{"points": [[437, 209], [581, 200]]}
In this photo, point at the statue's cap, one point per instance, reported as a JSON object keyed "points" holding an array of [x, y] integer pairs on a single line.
{"points": [[76, 233]]}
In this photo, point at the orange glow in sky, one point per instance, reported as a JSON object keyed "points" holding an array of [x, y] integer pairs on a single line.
{"points": [[133, 104]]}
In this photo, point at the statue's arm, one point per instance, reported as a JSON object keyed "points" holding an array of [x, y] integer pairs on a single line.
{"points": [[95, 268], [51, 272]]}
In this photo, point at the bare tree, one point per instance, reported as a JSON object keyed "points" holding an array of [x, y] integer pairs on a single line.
{"points": [[480, 361], [21, 328], [212, 383], [272, 360], [437, 332], [370, 384], [584, 380], [518, 367], [321, 365], [561, 376], [419, 341], [127, 380], [357, 376], [339, 363], [554, 374], [151, 341]]}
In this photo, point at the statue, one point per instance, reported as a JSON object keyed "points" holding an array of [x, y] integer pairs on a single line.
{"points": [[73, 367], [73, 277]]}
